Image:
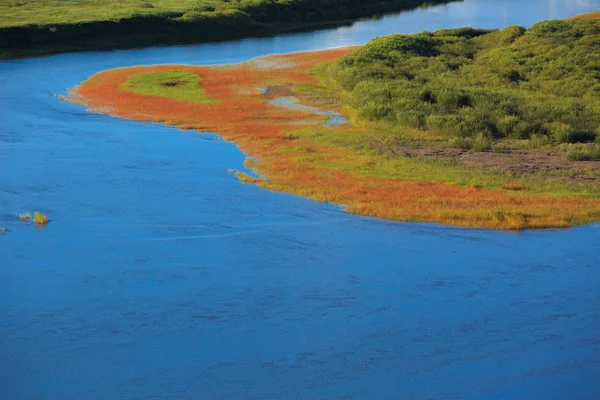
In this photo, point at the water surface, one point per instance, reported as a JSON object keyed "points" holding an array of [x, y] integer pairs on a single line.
{"points": [[161, 276]]}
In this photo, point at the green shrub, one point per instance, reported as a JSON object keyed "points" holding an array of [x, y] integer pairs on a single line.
{"points": [[565, 133], [540, 84], [576, 153], [482, 142], [448, 124], [478, 143], [411, 118], [507, 126]]}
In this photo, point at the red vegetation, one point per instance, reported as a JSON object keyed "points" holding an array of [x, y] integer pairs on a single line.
{"points": [[241, 114]]}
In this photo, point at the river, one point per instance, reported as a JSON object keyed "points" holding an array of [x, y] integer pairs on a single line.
{"points": [[161, 276]]}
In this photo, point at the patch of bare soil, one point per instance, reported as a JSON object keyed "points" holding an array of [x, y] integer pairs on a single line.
{"points": [[517, 162], [172, 84]]}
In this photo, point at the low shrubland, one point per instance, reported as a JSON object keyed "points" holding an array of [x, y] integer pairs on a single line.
{"points": [[472, 88]]}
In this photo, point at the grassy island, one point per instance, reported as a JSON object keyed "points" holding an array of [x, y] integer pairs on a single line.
{"points": [[469, 127], [29, 27]]}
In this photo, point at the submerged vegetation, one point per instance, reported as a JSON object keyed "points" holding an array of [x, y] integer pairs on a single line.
{"points": [[44, 26], [464, 127]]}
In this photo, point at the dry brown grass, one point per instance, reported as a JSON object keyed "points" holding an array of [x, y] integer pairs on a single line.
{"points": [[39, 218], [24, 216], [594, 15]]}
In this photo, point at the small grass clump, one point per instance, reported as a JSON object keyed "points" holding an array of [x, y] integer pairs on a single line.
{"points": [[24, 216], [580, 153], [39, 218], [146, 4]]}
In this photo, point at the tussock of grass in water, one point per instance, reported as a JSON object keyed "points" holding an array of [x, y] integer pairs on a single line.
{"points": [[3, 230], [24, 216], [313, 163], [39, 218]]}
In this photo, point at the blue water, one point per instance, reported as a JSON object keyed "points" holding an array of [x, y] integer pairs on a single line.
{"points": [[161, 276], [293, 103]]}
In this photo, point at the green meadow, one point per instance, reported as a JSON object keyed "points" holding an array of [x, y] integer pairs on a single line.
{"points": [[30, 27], [529, 99], [178, 85]]}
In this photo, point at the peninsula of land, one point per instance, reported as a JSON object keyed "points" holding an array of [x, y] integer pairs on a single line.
{"points": [[469, 127]]}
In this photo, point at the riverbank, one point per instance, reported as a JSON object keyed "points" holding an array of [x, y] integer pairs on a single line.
{"points": [[35, 27], [296, 151]]}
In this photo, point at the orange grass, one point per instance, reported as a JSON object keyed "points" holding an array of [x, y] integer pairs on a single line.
{"points": [[240, 113], [593, 15], [39, 218]]}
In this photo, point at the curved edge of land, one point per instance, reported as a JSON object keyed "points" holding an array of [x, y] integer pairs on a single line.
{"points": [[291, 150], [148, 26]]}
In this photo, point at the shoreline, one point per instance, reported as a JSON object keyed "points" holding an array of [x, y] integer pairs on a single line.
{"points": [[292, 161], [172, 28]]}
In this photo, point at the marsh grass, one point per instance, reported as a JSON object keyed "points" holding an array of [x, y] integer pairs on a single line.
{"points": [[374, 157], [177, 85], [24, 216], [359, 165], [583, 153], [246, 178], [39, 218]]}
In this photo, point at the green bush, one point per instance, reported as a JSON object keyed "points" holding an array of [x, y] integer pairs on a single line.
{"points": [[576, 153], [478, 143], [473, 83]]}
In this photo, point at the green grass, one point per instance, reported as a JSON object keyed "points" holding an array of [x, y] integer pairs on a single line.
{"points": [[33, 27], [178, 85], [42, 12], [453, 89], [473, 88], [580, 153], [45, 12], [373, 144]]}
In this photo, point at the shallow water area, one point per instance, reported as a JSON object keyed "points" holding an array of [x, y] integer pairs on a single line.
{"points": [[293, 103], [162, 276]]}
